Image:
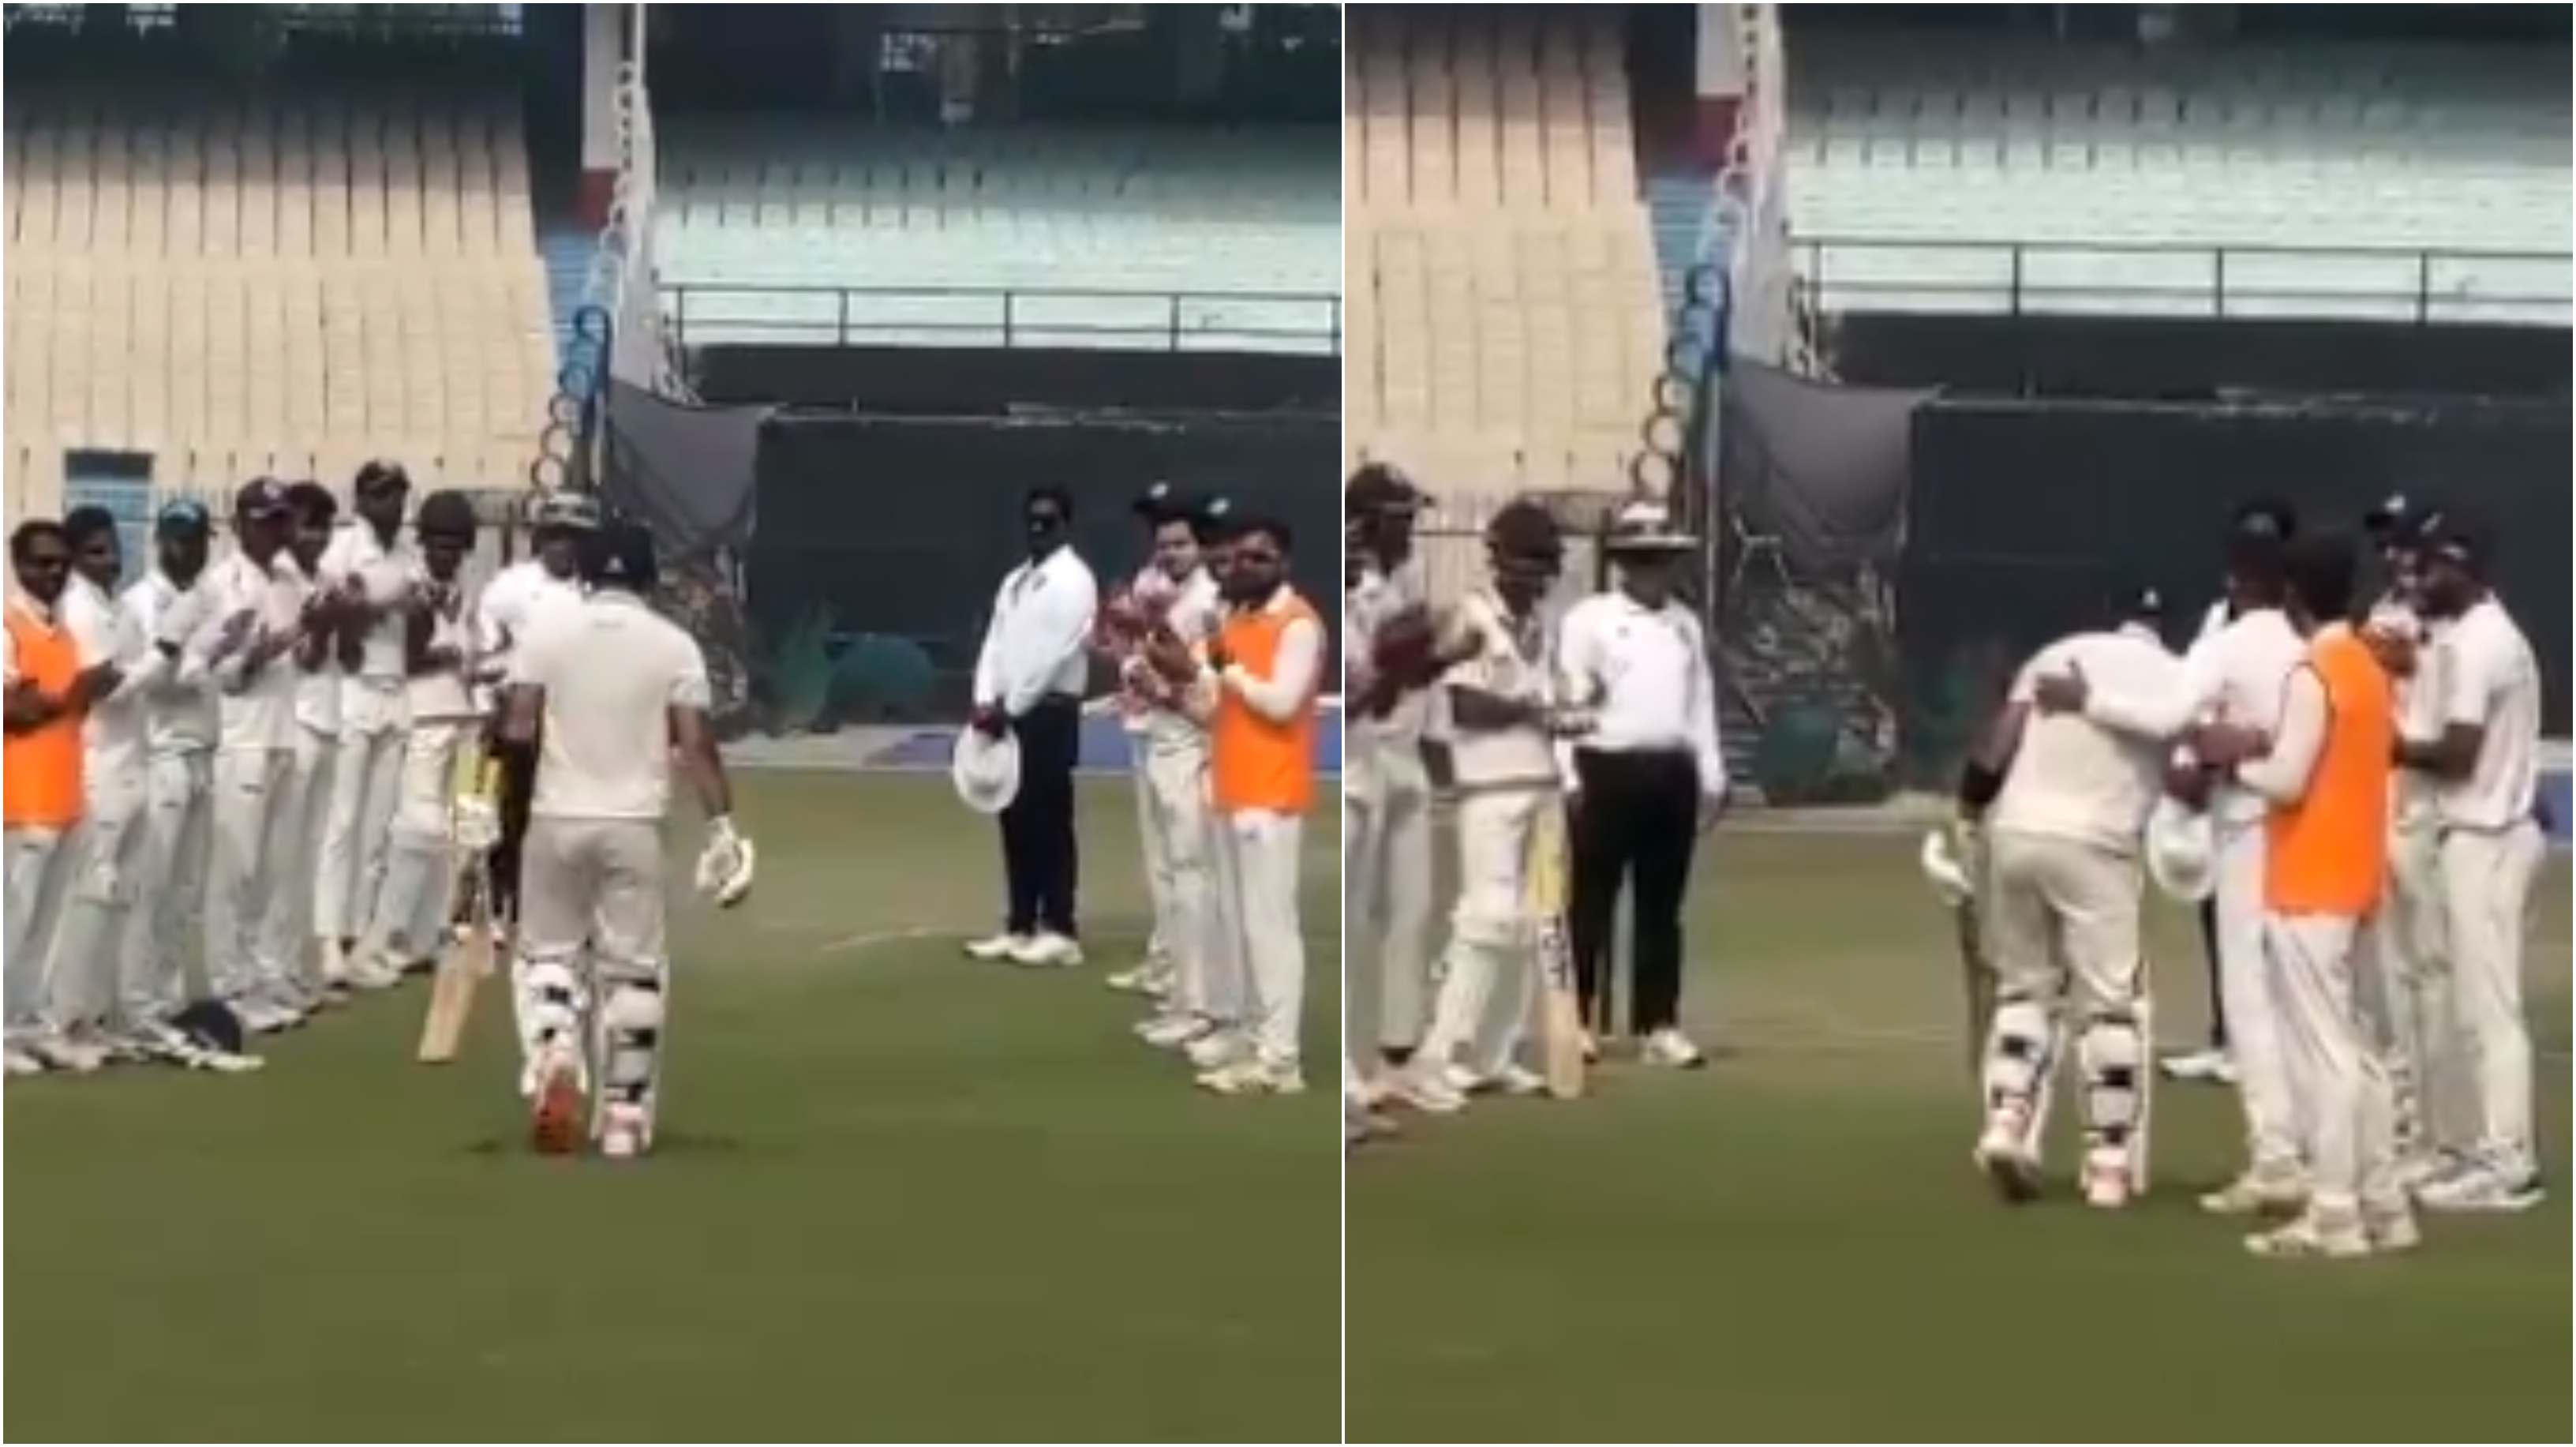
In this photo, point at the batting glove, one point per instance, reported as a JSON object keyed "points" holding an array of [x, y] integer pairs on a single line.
{"points": [[724, 866]]}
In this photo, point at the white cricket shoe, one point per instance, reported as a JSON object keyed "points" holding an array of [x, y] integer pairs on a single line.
{"points": [[2107, 1186], [1591, 1047], [2209, 1064], [258, 1016], [59, 1052], [1672, 1049], [622, 1135], [1511, 1080], [335, 963], [2003, 1153], [1048, 950], [2391, 1227], [1426, 1089], [997, 947], [2313, 1236], [1171, 1032], [1152, 977], [19, 1062], [2482, 1187], [2257, 1192], [1252, 1076], [374, 972], [2417, 1171], [1217, 1046]]}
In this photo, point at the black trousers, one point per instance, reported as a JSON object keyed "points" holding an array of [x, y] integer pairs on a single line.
{"points": [[1638, 813], [518, 791], [1039, 857]]}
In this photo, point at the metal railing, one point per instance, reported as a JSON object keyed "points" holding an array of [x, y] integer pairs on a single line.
{"points": [[1106, 318], [2423, 285]]}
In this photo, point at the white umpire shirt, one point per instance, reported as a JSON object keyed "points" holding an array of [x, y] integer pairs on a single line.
{"points": [[1037, 642], [2076, 779], [1645, 673]]}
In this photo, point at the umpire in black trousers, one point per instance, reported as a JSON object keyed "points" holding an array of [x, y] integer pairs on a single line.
{"points": [[1647, 776]]}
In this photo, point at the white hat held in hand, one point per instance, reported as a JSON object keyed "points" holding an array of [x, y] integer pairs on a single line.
{"points": [[2181, 847], [986, 770]]}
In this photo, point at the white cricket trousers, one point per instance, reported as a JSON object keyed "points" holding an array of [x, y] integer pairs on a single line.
{"points": [[594, 887], [420, 858], [1264, 847], [2244, 986], [250, 786], [164, 959], [102, 889], [1149, 833], [1173, 814], [39, 876], [1224, 977], [303, 811], [365, 778], [1386, 889], [2404, 984], [2345, 1110], [2486, 882], [1489, 972], [2061, 931]]}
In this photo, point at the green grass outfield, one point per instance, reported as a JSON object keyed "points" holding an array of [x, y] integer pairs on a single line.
{"points": [[1791, 1245], [898, 1196]]}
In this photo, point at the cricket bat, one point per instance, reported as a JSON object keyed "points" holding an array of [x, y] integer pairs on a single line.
{"points": [[451, 990], [1560, 1018]]}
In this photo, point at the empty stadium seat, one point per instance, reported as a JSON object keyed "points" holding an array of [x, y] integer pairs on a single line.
{"points": [[297, 283], [2337, 179]]}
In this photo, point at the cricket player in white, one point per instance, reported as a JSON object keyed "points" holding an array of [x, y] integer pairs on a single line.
{"points": [[519, 600], [2236, 676], [82, 975], [2484, 765], [255, 622], [1505, 765], [2401, 949], [1386, 790], [1175, 596], [371, 570], [163, 959], [304, 802], [612, 693], [420, 863], [2069, 804]]}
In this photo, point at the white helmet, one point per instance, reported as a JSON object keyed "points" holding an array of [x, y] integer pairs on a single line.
{"points": [[2180, 849]]}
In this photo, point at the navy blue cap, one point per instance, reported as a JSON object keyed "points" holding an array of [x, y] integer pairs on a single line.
{"points": [[183, 514]]}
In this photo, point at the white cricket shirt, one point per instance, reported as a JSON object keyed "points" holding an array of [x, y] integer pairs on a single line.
{"points": [[387, 573], [2236, 675], [611, 671], [1036, 644], [444, 695], [1511, 661], [2491, 680], [2075, 778], [179, 696], [1151, 709], [1381, 595], [253, 710], [112, 731]]}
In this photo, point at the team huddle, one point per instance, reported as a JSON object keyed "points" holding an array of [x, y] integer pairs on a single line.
{"points": [[1220, 669], [241, 790], [2353, 789], [1585, 746]]}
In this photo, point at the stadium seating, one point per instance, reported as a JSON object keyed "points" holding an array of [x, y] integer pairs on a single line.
{"points": [[1504, 314], [2343, 180], [1109, 237], [270, 287]]}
